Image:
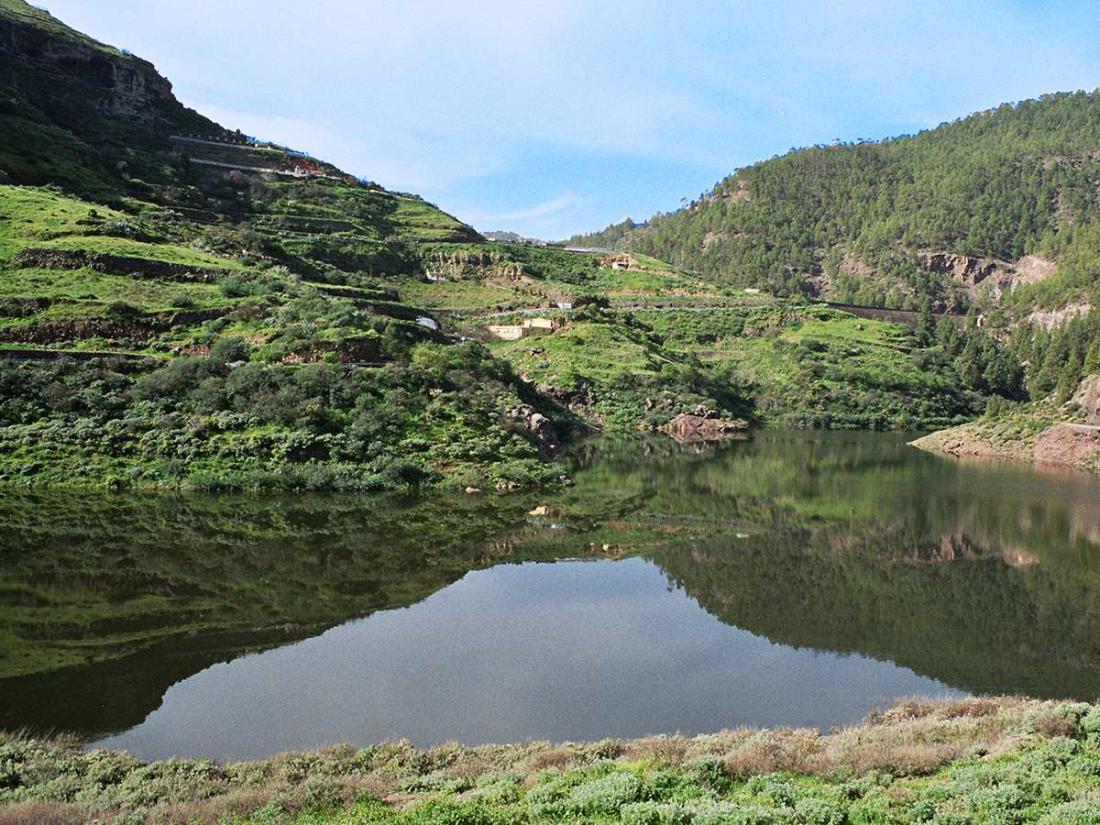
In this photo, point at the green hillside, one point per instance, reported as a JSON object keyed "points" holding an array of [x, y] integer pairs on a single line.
{"points": [[865, 222], [182, 305], [997, 213]]}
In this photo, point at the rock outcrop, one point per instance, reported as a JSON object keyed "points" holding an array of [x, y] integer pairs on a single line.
{"points": [[135, 328], [966, 269], [1087, 399], [1033, 434], [621, 262], [970, 441], [34, 258], [988, 278], [1050, 319], [472, 265], [703, 425], [538, 425], [86, 87], [1072, 445]]}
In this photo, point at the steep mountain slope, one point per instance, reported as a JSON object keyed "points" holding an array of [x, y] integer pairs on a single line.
{"points": [[963, 213], [998, 212], [71, 108], [181, 305]]}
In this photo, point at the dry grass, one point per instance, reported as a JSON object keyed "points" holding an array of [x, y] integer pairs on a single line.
{"points": [[239, 803], [41, 813], [911, 739], [660, 750]]}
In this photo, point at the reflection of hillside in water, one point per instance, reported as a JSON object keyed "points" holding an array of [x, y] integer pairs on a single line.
{"points": [[107, 601], [975, 575]]}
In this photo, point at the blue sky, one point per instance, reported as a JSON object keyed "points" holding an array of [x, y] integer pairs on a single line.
{"points": [[551, 118]]}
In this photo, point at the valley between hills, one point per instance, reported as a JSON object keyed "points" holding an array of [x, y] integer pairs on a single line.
{"points": [[186, 307], [607, 507]]}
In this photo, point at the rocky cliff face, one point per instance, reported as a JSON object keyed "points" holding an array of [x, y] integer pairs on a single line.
{"points": [[1087, 399], [467, 264], [969, 271], [90, 89], [988, 278]]}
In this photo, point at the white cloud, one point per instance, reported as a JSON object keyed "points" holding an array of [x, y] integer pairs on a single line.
{"points": [[544, 213], [392, 157]]}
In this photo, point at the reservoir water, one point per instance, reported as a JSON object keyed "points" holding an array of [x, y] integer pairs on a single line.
{"points": [[799, 579]]}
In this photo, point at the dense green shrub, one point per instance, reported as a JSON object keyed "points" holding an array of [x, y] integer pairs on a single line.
{"points": [[226, 423]]}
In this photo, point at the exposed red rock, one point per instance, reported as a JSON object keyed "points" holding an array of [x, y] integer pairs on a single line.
{"points": [[703, 425], [1070, 444]]}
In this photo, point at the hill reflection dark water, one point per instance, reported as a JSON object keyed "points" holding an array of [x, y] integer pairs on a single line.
{"points": [[981, 577]]}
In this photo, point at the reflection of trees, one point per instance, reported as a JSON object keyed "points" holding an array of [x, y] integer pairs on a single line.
{"points": [[86, 578], [980, 576], [106, 602], [975, 619], [975, 575]]}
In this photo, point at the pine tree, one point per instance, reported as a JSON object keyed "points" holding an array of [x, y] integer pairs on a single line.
{"points": [[949, 337], [970, 364], [1003, 375], [1092, 358], [1069, 376], [1068, 380], [926, 323]]}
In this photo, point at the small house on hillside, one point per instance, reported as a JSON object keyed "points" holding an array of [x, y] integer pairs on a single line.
{"points": [[530, 326], [619, 263], [506, 332]]}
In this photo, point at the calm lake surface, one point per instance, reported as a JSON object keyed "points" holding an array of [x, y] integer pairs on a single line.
{"points": [[790, 579]]}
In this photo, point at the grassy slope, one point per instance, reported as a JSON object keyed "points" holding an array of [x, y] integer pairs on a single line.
{"points": [[278, 272], [776, 362], [811, 366], [973, 760], [261, 298]]}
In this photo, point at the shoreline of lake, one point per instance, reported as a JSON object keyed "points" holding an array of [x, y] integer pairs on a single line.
{"points": [[967, 758]]}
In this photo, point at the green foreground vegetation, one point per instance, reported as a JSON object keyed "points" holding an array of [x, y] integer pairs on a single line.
{"points": [[963, 761]]}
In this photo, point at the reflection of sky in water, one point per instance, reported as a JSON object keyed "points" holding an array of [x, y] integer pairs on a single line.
{"points": [[571, 650]]}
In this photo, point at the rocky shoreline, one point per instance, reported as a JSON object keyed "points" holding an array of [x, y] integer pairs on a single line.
{"points": [[1042, 433]]}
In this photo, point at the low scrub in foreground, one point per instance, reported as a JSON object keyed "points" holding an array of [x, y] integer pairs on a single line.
{"points": [[971, 760]]}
